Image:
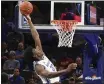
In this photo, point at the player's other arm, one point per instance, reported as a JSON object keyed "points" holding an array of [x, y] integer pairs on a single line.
{"points": [[34, 33], [41, 71]]}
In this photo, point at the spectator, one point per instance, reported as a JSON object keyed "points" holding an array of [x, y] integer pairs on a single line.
{"points": [[79, 61], [19, 51], [19, 55], [70, 14], [71, 81], [34, 81], [14, 38], [4, 78], [16, 78], [66, 61], [63, 64], [79, 69], [67, 15], [11, 63], [4, 52], [4, 49]]}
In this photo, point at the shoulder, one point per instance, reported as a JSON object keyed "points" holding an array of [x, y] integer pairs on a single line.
{"points": [[39, 67]]}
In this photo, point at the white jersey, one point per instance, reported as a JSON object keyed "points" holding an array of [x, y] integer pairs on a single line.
{"points": [[49, 67]]}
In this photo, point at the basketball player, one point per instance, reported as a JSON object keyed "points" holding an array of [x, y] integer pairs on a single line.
{"points": [[42, 65]]}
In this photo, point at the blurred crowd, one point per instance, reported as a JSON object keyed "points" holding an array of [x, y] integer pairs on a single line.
{"points": [[19, 72], [13, 44]]}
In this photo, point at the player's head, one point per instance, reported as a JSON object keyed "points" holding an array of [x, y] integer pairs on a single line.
{"points": [[20, 46], [37, 53], [79, 60], [16, 72], [31, 54], [12, 54]]}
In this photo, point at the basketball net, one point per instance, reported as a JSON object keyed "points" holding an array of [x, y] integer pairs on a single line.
{"points": [[65, 30]]}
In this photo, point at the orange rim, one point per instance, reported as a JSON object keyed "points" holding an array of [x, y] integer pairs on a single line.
{"points": [[66, 25]]}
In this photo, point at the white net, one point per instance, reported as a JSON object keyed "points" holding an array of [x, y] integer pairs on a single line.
{"points": [[65, 36]]}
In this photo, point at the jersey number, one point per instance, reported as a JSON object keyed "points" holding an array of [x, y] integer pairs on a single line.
{"points": [[49, 64]]}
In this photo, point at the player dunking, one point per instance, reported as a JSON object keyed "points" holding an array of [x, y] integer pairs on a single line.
{"points": [[42, 65]]}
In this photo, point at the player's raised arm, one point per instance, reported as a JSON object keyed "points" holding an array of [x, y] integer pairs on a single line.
{"points": [[34, 33]]}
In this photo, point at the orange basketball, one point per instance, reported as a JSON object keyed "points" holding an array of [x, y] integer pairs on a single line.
{"points": [[26, 7]]}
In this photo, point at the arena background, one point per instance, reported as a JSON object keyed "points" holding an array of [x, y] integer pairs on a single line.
{"points": [[14, 38]]}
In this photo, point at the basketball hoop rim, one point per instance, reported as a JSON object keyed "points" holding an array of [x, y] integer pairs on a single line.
{"points": [[65, 25], [64, 21]]}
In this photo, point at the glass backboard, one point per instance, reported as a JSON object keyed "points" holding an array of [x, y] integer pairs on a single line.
{"points": [[46, 11]]}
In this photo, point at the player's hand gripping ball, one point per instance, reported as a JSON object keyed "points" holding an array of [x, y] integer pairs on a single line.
{"points": [[26, 8]]}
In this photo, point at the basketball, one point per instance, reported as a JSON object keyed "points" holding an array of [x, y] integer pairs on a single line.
{"points": [[26, 8]]}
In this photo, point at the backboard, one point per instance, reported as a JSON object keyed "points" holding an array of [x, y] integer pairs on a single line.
{"points": [[46, 11], [65, 7]]}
